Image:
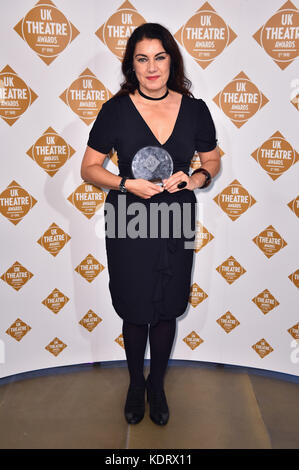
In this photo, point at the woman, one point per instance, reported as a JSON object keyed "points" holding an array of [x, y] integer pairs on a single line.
{"points": [[150, 277]]}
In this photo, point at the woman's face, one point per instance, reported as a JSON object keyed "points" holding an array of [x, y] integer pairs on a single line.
{"points": [[152, 65]]}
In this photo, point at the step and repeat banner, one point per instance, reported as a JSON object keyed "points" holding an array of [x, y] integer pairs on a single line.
{"points": [[60, 61]]}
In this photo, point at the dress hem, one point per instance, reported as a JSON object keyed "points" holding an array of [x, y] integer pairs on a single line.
{"points": [[156, 320]]}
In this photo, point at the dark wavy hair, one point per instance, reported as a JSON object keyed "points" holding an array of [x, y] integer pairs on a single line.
{"points": [[177, 80]]}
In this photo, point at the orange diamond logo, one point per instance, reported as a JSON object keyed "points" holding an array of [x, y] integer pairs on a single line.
{"points": [[240, 100], [89, 268], [294, 206], [15, 202], [87, 199], [90, 320], [56, 346], [262, 348], [279, 35], [50, 152], [18, 329], [228, 322], [265, 301], [15, 96], [269, 241], [294, 277], [46, 30], [294, 331], [86, 96], [55, 301], [193, 340], [197, 295], [295, 101], [120, 340], [205, 35], [276, 155], [115, 32], [54, 239], [231, 270], [16, 276], [202, 237], [234, 200]]}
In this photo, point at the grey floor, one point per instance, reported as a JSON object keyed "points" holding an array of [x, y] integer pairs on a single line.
{"points": [[211, 407]]}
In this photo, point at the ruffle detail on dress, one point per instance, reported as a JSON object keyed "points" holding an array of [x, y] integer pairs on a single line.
{"points": [[163, 273]]}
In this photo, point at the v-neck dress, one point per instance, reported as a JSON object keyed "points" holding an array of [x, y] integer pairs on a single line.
{"points": [[150, 278]]}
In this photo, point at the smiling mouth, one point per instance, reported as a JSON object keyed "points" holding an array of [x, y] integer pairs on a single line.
{"points": [[153, 78]]}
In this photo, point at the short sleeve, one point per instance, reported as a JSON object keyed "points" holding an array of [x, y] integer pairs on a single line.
{"points": [[205, 132], [102, 133]]}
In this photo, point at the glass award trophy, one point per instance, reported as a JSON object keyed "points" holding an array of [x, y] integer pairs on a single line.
{"points": [[153, 164]]}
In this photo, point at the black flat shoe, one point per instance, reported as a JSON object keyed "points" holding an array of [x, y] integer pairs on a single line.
{"points": [[159, 412], [135, 406]]}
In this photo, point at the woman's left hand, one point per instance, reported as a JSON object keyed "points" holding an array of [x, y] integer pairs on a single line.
{"points": [[171, 183]]}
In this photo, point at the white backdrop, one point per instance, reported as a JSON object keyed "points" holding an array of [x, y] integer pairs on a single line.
{"points": [[234, 51]]}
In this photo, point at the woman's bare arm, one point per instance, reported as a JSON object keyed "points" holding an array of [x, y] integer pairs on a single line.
{"points": [[92, 170], [210, 161]]}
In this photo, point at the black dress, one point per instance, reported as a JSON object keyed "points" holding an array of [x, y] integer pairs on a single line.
{"points": [[150, 278]]}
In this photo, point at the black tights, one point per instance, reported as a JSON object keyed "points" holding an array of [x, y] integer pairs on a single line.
{"points": [[161, 338]]}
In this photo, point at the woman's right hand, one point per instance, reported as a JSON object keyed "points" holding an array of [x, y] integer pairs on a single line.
{"points": [[143, 188]]}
